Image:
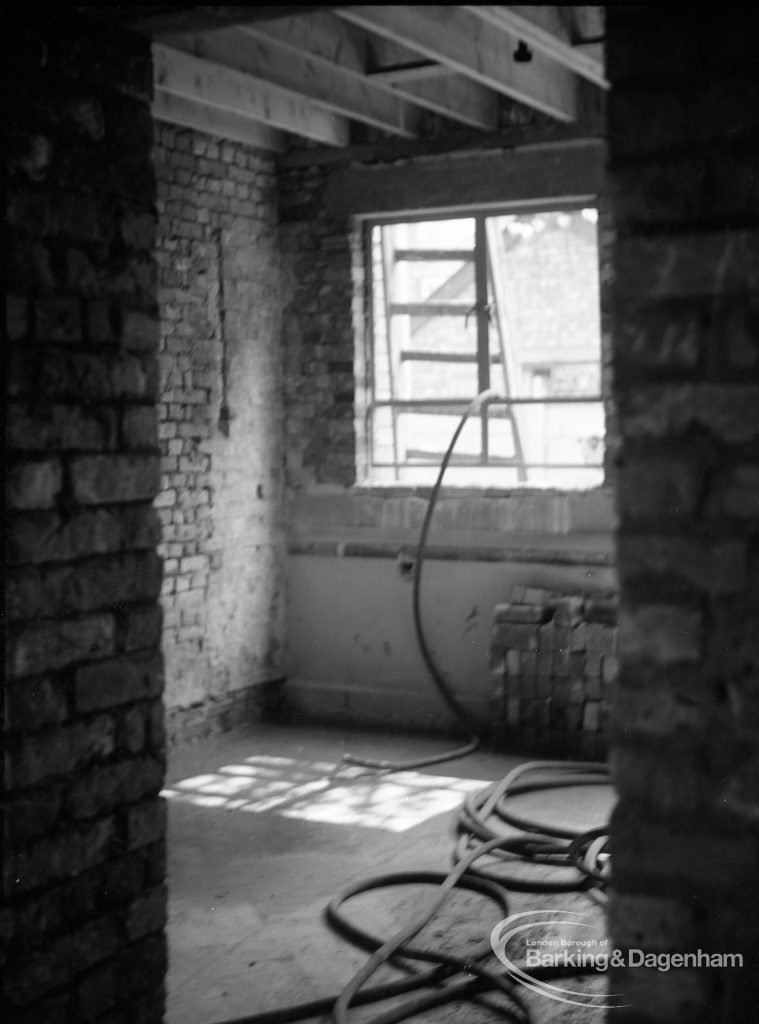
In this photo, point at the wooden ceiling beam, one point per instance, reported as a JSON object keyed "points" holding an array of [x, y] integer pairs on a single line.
{"points": [[225, 124], [463, 181], [407, 71], [224, 90], [325, 39], [388, 59], [545, 30], [454, 96], [322, 36], [344, 95], [591, 130], [474, 48]]}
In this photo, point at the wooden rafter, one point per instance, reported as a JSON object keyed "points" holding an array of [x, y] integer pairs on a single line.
{"points": [[407, 71], [542, 29], [314, 70], [453, 96], [331, 44], [464, 43], [227, 124], [223, 89], [342, 94]]}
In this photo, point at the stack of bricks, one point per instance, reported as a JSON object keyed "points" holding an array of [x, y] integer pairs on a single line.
{"points": [[683, 151], [554, 665], [220, 416], [322, 288], [84, 900]]}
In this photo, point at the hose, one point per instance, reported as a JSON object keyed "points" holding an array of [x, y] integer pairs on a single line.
{"points": [[445, 691], [482, 820], [537, 842], [363, 938], [392, 945]]}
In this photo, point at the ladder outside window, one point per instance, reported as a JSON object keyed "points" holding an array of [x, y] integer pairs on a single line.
{"points": [[507, 302]]}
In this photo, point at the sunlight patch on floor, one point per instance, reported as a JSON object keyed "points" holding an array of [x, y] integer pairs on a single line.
{"points": [[319, 791]]}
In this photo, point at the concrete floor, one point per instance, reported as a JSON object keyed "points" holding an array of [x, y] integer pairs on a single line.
{"points": [[265, 826]]}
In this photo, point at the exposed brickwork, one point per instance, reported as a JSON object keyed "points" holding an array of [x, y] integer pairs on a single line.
{"points": [[322, 331], [84, 902], [684, 143], [220, 503], [265, 702], [553, 668]]}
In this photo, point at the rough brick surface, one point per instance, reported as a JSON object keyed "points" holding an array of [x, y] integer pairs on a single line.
{"points": [[220, 416], [554, 659], [56, 537], [322, 277], [107, 479], [84, 744], [33, 485], [685, 731], [664, 633]]}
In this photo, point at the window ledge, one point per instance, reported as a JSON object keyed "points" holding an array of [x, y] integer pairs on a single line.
{"points": [[588, 549], [487, 517], [391, 490]]}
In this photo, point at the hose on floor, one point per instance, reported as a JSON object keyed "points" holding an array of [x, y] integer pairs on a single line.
{"points": [[581, 852], [487, 827]]}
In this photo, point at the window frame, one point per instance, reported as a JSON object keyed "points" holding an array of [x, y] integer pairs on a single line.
{"points": [[480, 213]]}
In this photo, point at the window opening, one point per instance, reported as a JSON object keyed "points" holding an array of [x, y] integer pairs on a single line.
{"points": [[507, 302]]}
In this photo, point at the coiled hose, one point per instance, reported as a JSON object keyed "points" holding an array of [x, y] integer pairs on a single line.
{"points": [[480, 827]]}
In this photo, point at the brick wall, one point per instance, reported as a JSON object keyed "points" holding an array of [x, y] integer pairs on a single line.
{"points": [[220, 428], [553, 668], [684, 142], [84, 900], [322, 326]]}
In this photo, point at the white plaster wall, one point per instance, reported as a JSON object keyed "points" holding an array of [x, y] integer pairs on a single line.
{"points": [[352, 650]]}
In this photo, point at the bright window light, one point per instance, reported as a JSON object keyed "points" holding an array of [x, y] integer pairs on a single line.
{"points": [[504, 302]]}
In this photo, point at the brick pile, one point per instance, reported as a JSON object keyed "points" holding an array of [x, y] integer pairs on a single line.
{"points": [[84, 899], [683, 147], [553, 667]]}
